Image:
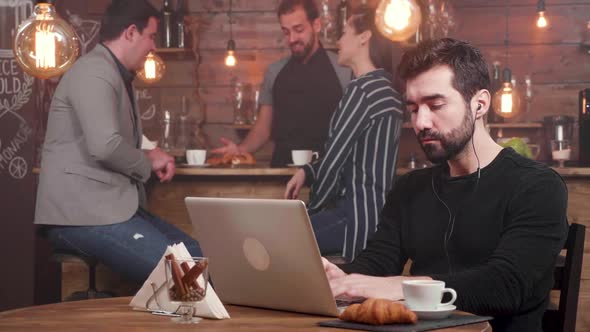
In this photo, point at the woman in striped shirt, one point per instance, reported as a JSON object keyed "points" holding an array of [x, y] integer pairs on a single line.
{"points": [[350, 182]]}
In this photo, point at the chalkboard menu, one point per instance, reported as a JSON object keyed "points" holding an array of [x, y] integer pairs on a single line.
{"points": [[17, 153]]}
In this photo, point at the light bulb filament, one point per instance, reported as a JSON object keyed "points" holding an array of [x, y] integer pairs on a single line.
{"points": [[397, 14], [230, 59], [541, 21], [150, 68], [45, 46], [506, 103]]}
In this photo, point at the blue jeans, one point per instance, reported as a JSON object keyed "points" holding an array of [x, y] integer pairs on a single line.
{"points": [[132, 248], [329, 226]]}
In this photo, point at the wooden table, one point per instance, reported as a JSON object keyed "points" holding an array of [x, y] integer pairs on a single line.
{"points": [[114, 314]]}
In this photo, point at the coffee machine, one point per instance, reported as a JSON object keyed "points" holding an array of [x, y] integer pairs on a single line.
{"points": [[584, 119], [558, 136]]}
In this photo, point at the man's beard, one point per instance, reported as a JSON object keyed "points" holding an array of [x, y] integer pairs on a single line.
{"points": [[451, 144], [306, 48]]}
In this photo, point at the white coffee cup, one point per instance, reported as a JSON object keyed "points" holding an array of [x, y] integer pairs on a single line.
{"points": [[302, 157], [196, 157], [426, 295]]}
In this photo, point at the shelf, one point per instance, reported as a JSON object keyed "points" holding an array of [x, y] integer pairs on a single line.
{"points": [[516, 125], [179, 53], [173, 50], [241, 126]]}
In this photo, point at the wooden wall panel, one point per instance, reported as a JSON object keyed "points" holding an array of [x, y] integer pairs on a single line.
{"points": [[488, 26], [546, 64], [550, 5], [251, 30], [551, 57]]}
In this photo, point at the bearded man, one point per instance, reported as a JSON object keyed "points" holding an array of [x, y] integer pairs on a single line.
{"points": [[300, 92], [485, 220]]}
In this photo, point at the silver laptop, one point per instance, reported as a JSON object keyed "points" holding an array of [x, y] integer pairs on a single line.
{"points": [[263, 253]]}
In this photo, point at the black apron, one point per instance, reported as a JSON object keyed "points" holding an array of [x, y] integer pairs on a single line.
{"points": [[304, 98]]}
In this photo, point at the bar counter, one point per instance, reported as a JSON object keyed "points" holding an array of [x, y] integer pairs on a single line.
{"points": [[256, 181], [261, 181]]}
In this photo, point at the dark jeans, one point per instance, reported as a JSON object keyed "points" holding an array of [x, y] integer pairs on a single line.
{"points": [[132, 248], [329, 226]]}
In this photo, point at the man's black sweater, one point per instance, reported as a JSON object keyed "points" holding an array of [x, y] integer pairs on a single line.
{"points": [[503, 232]]}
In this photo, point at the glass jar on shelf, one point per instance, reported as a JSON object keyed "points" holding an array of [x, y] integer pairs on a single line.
{"points": [[328, 33], [238, 101], [244, 103], [253, 115], [166, 142]]}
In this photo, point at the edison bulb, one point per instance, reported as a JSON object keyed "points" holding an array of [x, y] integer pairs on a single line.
{"points": [[507, 101], [230, 59], [45, 45], [542, 20], [398, 20], [153, 69]]}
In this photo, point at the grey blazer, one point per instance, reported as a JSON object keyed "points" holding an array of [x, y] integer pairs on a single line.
{"points": [[92, 167]]}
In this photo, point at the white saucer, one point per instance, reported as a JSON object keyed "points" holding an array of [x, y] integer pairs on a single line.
{"points": [[441, 312], [294, 165], [197, 166]]}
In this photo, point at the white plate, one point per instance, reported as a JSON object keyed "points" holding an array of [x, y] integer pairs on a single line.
{"points": [[439, 313], [294, 165], [197, 166]]}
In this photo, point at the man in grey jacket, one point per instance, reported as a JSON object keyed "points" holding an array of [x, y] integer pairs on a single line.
{"points": [[90, 195]]}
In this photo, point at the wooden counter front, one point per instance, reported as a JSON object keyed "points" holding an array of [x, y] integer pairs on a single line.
{"points": [[167, 199]]}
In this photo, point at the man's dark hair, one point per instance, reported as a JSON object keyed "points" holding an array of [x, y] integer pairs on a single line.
{"points": [[380, 48], [309, 6], [470, 70], [122, 13]]}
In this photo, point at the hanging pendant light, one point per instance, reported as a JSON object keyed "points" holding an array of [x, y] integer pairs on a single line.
{"points": [[506, 101], [541, 20], [230, 57], [507, 98], [45, 45], [398, 20], [153, 69]]}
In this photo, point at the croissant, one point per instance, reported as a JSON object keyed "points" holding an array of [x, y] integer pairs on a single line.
{"points": [[379, 312], [244, 158], [215, 161]]}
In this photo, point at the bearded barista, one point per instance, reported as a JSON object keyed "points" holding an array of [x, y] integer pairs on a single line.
{"points": [[299, 93]]}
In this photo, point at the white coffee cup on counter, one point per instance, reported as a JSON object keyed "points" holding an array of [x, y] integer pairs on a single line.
{"points": [[426, 295], [302, 157], [196, 157]]}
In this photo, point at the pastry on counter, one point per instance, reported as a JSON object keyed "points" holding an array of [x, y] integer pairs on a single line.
{"points": [[244, 158], [379, 312]]}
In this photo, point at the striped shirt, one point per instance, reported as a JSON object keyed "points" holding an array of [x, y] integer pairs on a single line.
{"points": [[361, 151]]}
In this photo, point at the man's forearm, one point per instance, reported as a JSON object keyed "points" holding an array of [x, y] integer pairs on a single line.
{"points": [[254, 141], [260, 133]]}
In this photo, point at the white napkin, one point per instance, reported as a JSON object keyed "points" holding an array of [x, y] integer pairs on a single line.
{"points": [[146, 144], [210, 307]]}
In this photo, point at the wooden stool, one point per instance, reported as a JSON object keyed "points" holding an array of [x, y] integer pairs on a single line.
{"points": [[64, 256]]}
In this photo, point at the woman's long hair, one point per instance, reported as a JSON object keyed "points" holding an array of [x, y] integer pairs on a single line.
{"points": [[380, 48]]}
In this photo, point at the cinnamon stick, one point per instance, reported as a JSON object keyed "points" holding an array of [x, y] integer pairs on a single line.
{"points": [[186, 269], [191, 276], [180, 289]]}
